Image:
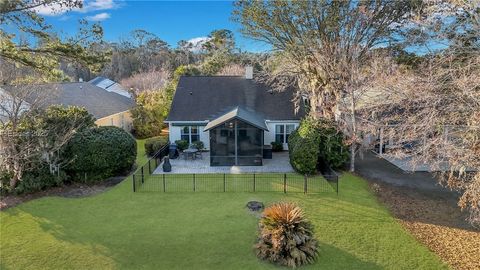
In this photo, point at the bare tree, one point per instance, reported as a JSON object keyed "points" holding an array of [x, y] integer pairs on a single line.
{"points": [[147, 81], [18, 146], [323, 47], [32, 133], [232, 70]]}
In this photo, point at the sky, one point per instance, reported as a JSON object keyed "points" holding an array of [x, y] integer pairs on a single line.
{"points": [[171, 21]]}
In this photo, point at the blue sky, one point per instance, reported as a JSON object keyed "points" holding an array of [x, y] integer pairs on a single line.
{"points": [[170, 20]]}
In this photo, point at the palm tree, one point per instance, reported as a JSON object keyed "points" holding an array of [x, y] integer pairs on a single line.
{"points": [[286, 236]]}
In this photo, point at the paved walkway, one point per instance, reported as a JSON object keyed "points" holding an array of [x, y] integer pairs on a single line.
{"points": [[279, 164], [379, 169]]}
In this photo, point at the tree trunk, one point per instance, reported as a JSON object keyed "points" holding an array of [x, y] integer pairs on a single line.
{"points": [[352, 157], [353, 135]]}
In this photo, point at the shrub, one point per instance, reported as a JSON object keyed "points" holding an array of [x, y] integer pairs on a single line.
{"points": [[148, 114], [99, 153], [276, 146], [181, 144], [303, 152], [286, 237], [39, 179], [152, 145], [316, 139], [332, 147], [198, 145]]}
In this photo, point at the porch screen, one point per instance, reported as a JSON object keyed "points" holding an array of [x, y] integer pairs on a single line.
{"points": [[236, 143]]}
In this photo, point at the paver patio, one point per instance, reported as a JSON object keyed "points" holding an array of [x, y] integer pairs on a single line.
{"points": [[278, 164]]}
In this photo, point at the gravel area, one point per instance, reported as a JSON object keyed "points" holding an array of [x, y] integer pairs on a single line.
{"points": [[435, 221]]}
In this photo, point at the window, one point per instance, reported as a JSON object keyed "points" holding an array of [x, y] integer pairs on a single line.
{"points": [[282, 131], [190, 134]]}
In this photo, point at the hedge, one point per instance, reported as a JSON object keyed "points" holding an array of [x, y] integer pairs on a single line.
{"points": [[316, 139], [152, 145], [99, 153]]}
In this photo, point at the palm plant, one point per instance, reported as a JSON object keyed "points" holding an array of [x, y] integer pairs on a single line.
{"points": [[286, 236]]}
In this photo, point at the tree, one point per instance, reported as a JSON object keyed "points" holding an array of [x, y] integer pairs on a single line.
{"points": [[29, 132], [322, 47], [49, 50], [431, 114], [220, 40]]}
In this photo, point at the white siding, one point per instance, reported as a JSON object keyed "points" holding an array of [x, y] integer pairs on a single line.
{"points": [[175, 134], [205, 137], [269, 136]]}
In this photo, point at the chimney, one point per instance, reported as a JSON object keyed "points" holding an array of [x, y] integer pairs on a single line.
{"points": [[248, 72], [80, 79]]}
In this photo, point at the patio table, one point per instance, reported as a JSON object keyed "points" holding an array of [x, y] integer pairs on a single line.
{"points": [[190, 152]]}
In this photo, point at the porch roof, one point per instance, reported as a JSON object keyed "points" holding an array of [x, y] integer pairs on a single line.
{"points": [[238, 113]]}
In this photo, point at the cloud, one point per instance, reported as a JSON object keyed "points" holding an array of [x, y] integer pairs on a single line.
{"points": [[98, 17], [196, 44], [56, 9]]}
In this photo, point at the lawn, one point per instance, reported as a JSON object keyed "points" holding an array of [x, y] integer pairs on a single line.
{"points": [[120, 229]]}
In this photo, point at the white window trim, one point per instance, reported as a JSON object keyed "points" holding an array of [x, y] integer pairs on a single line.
{"points": [[284, 131], [189, 133]]}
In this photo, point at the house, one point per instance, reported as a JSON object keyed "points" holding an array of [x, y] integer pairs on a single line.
{"points": [[110, 86], [109, 108], [233, 116]]}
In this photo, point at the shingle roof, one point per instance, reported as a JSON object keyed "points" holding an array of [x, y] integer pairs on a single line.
{"points": [[200, 98], [99, 102], [110, 86], [239, 113]]}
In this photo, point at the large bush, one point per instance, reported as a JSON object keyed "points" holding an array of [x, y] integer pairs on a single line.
{"points": [[286, 237], [153, 145], [332, 147], [316, 139], [303, 146], [99, 153]]}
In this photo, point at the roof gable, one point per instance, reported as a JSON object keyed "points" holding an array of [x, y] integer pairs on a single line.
{"points": [[241, 114]]}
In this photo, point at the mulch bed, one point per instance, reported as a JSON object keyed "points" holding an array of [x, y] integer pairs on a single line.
{"points": [[436, 221], [74, 190]]}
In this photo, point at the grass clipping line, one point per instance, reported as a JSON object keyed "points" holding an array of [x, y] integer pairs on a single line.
{"points": [[285, 236]]}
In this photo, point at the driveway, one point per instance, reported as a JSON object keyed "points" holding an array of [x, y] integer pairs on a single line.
{"points": [[378, 169]]}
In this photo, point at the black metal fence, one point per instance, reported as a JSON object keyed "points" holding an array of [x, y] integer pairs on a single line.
{"points": [[245, 182], [144, 180], [153, 162]]}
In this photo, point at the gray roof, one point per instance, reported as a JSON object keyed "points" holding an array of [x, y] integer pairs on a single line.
{"points": [[200, 98], [238, 113], [99, 102]]}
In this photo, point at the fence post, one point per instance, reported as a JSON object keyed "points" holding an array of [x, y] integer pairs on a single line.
{"points": [[337, 183], [142, 175], [284, 183], [305, 184], [133, 180], [193, 182], [164, 186], [254, 183], [224, 183], [149, 167]]}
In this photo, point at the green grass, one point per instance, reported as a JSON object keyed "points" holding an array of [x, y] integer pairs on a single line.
{"points": [[120, 229]]}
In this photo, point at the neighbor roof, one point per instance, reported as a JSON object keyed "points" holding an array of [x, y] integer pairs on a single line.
{"points": [[110, 86], [99, 102], [238, 113], [200, 98]]}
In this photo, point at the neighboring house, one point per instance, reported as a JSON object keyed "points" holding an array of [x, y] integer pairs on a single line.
{"points": [[109, 108], [110, 86], [233, 116]]}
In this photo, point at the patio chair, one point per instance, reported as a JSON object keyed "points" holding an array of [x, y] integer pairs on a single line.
{"points": [[198, 154]]}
